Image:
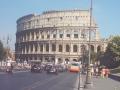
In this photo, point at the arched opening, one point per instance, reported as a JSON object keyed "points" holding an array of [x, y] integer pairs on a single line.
{"points": [[74, 48], [53, 47], [60, 60], [47, 47], [75, 60], [53, 60], [92, 48], [67, 48], [67, 61], [36, 47], [31, 48], [47, 59], [41, 47], [60, 48], [98, 48]]}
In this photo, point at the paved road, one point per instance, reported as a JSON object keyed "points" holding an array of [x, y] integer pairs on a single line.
{"points": [[25, 80], [38, 81]]}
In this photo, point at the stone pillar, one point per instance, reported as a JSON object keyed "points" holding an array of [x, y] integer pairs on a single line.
{"points": [[34, 36], [95, 48], [57, 48], [33, 48], [38, 48], [43, 48], [64, 48], [56, 60]]}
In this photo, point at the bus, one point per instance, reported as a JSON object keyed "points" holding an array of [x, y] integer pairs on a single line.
{"points": [[74, 67]]}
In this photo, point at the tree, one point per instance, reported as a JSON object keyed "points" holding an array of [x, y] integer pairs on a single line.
{"points": [[111, 57], [1, 51]]}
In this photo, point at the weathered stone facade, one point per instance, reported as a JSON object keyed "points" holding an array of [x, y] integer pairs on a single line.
{"points": [[57, 36]]}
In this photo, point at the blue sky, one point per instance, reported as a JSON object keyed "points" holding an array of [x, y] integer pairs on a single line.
{"points": [[106, 13]]}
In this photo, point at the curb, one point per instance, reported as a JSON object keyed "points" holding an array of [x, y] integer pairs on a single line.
{"points": [[115, 77]]}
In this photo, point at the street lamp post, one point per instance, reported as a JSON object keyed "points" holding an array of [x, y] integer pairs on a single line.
{"points": [[88, 83]]}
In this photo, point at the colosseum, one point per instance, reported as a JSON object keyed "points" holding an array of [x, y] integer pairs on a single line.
{"points": [[56, 36]]}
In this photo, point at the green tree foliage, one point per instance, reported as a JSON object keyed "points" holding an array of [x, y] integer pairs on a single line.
{"points": [[111, 57]]}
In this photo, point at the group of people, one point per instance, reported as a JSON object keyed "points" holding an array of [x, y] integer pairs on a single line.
{"points": [[103, 72]]}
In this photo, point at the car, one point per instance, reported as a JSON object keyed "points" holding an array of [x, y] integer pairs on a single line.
{"points": [[47, 67], [61, 68], [36, 68], [53, 70]]}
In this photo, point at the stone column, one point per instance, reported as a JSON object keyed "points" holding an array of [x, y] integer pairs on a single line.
{"points": [[43, 47], [38, 48], [95, 48], [71, 48], [33, 48], [56, 60], [30, 36], [34, 35], [64, 48]]}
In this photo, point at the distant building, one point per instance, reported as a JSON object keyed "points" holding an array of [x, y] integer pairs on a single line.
{"points": [[56, 36]]}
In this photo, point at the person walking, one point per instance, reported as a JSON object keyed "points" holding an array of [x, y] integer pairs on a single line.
{"points": [[103, 72], [107, 72], [96, 71], [92, 71]]}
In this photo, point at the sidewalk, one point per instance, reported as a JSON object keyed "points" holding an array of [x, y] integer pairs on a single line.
{"points": [[100, 84]]}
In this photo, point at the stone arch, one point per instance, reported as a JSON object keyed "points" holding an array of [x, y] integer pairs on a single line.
{"points": [[75, 60], [92, 47], [99, 48]]}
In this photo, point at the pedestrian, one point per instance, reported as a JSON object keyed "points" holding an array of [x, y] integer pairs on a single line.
{"points": [[103, 72], [107, 72], [92, 71], [96, 71]]}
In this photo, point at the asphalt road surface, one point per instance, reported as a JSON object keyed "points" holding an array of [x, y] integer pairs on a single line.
{"points": [[38, 81]]}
